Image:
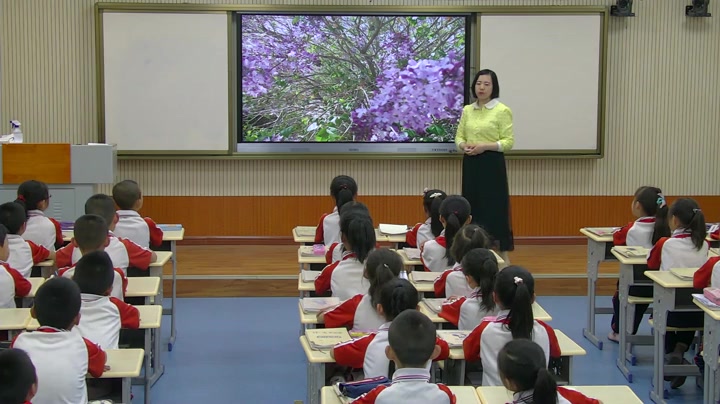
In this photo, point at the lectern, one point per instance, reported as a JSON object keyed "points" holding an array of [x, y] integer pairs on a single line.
{"points": [[72, 173]]}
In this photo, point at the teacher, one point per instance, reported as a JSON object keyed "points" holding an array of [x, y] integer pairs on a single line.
{"points": [[484, 133]]}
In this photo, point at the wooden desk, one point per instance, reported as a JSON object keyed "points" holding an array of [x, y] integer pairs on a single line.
{"points": [[163, 257], [124, 364], [464, 395], [316, 361], [596, 253], [606, 394], [416, 264], [304, 234], [35, 284], [13, 320], [150, 317], [170, 239], [150, 321], [305, 287], [711, 339], [670, 293], [146, 287], [45, 264], [538, 313]]}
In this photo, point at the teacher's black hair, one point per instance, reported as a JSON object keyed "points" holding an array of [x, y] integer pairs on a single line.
{"points": [[455, 210], [495, 83], [688, 213]]}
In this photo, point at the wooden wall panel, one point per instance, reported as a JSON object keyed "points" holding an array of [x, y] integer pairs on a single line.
{"points": [[533, 216]]}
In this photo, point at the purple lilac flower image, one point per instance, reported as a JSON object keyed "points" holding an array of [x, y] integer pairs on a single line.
{"points": [[332, 78]]}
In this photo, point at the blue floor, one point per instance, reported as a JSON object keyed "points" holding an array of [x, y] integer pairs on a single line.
{"points": [[234, 349]]}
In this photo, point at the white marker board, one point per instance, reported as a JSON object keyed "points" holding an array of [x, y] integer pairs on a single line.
{"points": [[165, 81]]}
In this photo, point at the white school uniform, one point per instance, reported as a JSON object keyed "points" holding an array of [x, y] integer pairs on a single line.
{"points": [[409, 385], [452, 282], [334, 253], [119, 282], [421, 233], [12, 285], [708, 274], [466, 312], [432, 255], [124, 253], [488, 338], [344, 278], [62, 360], [636, 234], [24, 254], [565, 395], [102, 317], [677, 251], [42, 230], [328, 230], [357, 313], [142, 231]]}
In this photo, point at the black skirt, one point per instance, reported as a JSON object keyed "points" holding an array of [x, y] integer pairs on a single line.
{"points": [[485, 186]]}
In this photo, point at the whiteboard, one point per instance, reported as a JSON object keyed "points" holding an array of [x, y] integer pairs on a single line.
{"points": [[165, 81], [549, 69]]}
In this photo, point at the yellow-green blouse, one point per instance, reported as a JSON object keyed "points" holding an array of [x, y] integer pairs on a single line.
{"points": [[490, 123]]}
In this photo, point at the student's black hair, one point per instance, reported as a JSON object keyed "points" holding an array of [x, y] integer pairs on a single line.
{"points": [[469, 237], [396, 296], [481, 265], [354, 206], [495, 83], [12, 216], [522, 362], [688, 213], [514, 288], [432, 199], [343, 189], [3, 234], [17, 376], [126, 193], [101, 205], [413, 338], [57, 303], [359, 233], [90, 232], [31, 193], [455, 210], [94, 273], [382, 266], [652, 202]]}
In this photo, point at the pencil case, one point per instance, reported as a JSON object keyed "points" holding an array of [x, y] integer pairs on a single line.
{"points": [[360, 387], [318, 249], [712, 294]]}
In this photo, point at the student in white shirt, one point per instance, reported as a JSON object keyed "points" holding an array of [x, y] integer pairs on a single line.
{"points": [[412, 344], [435, 254], [12, 283], [368, 352], [345, 277], [522, 366], [651, 211], [452, 282], [343, 189], [34, 196], [130, 225], [431, 227], [18, 380], [335, 251], [479, 268], [23, 253], [686, 248], [514, 295], [359, 312]]}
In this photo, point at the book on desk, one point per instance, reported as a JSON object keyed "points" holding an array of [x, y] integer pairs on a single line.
{"points": [[424, 277], [309, 276], [454, 338], [632, 252], [412, 253], [602, 231], [392, 229], [170, 227], [685, 274], [318, 304], [326, 338]]}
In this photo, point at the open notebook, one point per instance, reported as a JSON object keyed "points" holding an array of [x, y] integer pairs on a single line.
{"points": [[394, 229], [632, 252], [325, 338], [309, 276], [602, 231], [424, 277], [454, 338], [412, 253], [318, 304], [685, 274]]}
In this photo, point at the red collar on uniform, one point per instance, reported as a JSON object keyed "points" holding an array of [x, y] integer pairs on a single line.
{"points": [[348, 254], [646, 220], [441, 240], [44, 328]]}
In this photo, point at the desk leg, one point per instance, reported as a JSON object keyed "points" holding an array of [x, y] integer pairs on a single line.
{"points": [[595, 254], [126, 389], [148, 358], [157, 367], [660, 308], [626, 277], [173, 330], [315, 381], [710, 355]]}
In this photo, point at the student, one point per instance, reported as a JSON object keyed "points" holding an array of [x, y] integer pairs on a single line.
{"points": [[412, 344], [514, 296], [650, 208], [715, 232], [431, 228], [345, 277], [359, 312], [480, 268], [522, 367], [91, 234], [23, 253], [12, 283], [62, 357], [708, 274], [130, 225], [368, 352], [452, 282], [343, 189], [124, 252], [102, 316], [18, 381], [686, 248], [335, 251], [34, 196], [435, 254]]}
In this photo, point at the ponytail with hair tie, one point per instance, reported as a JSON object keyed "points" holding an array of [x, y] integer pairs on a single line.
{"points": [[21, 198]]}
